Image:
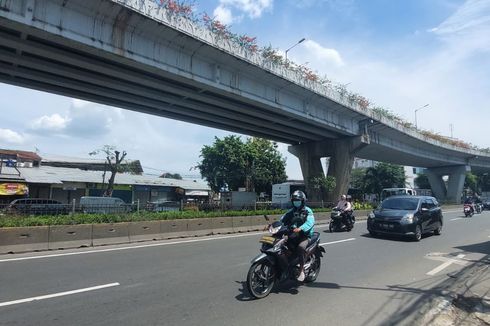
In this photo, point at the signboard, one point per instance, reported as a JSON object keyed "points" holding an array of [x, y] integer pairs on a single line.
{"points": [[9, 189]]}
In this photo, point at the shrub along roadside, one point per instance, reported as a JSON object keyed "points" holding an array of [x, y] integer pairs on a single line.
{"points": [[44, 220]]}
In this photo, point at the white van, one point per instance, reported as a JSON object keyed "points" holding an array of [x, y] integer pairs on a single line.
{"points": [[103, 205], [388, 192]]}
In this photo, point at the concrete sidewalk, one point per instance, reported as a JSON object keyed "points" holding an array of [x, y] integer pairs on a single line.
{"points": [[464, 299]]}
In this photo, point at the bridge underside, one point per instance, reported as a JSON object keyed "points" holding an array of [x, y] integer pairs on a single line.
{"points": [[38, 60]]}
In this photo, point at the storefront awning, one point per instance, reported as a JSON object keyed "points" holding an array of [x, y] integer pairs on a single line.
{"points": [[10, 189]]}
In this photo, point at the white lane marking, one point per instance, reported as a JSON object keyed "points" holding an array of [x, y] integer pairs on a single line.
{"points": [[339, 241], [60, 294], [457, 218], [449, 261]]}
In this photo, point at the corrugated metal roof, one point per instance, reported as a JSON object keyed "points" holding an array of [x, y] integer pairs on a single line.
{"points": [[56, 175], [10, 174]]}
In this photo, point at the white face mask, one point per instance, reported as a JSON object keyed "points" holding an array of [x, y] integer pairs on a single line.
{"points": [[296, 203]]}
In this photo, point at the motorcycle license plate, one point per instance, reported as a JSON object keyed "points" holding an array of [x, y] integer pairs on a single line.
{"points": [[267, 239]]}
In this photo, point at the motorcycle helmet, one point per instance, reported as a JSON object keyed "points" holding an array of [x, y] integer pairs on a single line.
{"points": [[298, 199]]}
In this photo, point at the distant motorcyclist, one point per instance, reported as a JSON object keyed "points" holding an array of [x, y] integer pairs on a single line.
{"points": [[345, 207], [470, 201], [301, 219]]}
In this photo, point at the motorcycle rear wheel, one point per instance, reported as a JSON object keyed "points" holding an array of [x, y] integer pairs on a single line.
{"points": [[261, 279], [314, 269]]}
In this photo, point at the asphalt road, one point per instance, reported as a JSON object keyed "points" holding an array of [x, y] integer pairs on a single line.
{"points": [[200, 281]]}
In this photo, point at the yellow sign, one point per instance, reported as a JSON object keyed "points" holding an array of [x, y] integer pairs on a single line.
{"points": [[9, 189]]}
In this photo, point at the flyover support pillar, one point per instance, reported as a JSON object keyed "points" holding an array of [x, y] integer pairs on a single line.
{"points": [[311, 167], [454, 190], [341, 153]]}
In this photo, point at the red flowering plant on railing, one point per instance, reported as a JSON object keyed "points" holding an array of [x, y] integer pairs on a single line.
{"points": [[185, 9], [178, 8]]}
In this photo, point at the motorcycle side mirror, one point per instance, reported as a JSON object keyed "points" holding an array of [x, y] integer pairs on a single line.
{"points": [[266, 218]]}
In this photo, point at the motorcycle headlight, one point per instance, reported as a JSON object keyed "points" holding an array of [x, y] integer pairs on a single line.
{"points": [[274, 230], [407, 219]]}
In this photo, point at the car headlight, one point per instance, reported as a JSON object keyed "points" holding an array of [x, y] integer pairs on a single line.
{"points": [[371, 215], [407, 219]]}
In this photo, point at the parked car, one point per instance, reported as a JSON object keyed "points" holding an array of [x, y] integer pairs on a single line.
{"points": [[486, 204], [37, 206], [161, 205], [103, 205], [406, 215]]}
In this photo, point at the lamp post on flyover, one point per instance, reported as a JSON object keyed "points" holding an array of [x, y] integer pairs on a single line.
{"points": [[420, 108], [300, 41]]}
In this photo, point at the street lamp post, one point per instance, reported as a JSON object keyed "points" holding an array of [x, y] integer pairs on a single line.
{"points": [[420, 108], [300, 41]]}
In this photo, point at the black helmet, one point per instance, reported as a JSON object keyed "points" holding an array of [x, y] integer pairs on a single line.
{"points": [[298, 195]]}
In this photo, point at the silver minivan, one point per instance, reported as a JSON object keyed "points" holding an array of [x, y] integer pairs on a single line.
{"points": [[103, 205]]}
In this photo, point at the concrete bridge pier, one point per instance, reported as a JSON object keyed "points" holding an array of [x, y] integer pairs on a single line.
{"points": [[341, 153], [452, 193]]}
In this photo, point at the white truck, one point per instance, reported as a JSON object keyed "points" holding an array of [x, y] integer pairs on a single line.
{"points": [[281, 193]]}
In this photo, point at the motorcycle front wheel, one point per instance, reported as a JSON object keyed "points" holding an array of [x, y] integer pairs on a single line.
{"points": [[261, 279]]}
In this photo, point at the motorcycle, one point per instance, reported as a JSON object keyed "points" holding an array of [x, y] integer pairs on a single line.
{"points": [[341, 221], [468, 210], [278, 263], [479, 208]]}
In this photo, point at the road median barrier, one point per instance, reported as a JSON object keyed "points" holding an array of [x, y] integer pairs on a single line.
{"points": [[110, 233], [199, 227], [145, 231], [222, 225], [241, 223], [21, 239], [171, 229], [70, 236]]}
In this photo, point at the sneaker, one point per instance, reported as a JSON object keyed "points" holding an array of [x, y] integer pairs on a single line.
{"points": [[301, 276]]}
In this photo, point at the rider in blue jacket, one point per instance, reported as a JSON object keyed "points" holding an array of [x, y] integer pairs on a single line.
{"points": [[301, 218]]}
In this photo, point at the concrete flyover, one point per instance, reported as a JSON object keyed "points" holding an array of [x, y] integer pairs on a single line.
{"points": [[135, 55]]}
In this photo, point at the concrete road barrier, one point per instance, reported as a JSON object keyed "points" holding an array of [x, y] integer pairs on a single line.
{"points": [[241, 223], [70, 236], [173, 229], [145, 231], [24, 239], [199, 227], [222, 225], [110, 233]]}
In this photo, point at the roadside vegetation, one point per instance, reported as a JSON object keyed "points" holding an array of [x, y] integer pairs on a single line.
{"points": [[79, 218]]}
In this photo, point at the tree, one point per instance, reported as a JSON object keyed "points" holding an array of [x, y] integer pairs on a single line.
{"points": [[114, 158], [383, 175], [231, 163], [325, 184], [357, 177], [471, 182], [422, 181], [171, 176]]}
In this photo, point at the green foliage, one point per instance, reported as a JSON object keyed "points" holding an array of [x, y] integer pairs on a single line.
{"points": [[171, 176], [383, 175], [75, 219], [325, 183], [231, 163], [422, 181], [483, 179], [471, 181], [357, 177]]}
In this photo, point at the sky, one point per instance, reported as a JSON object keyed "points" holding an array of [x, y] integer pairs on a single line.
{"points": [[399, 54]]}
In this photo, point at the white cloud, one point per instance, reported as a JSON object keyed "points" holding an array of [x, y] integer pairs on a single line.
{"points": [[252, 8], [468, 29], [223, 15], [79, 103], [50, 123], [321, 53], [11, 137]]}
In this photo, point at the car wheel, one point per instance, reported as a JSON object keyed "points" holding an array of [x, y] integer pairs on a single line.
{"points": [[418, 233], [438, 230]]}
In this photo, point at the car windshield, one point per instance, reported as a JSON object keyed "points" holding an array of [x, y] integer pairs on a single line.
{"points": [[406, 204]]}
